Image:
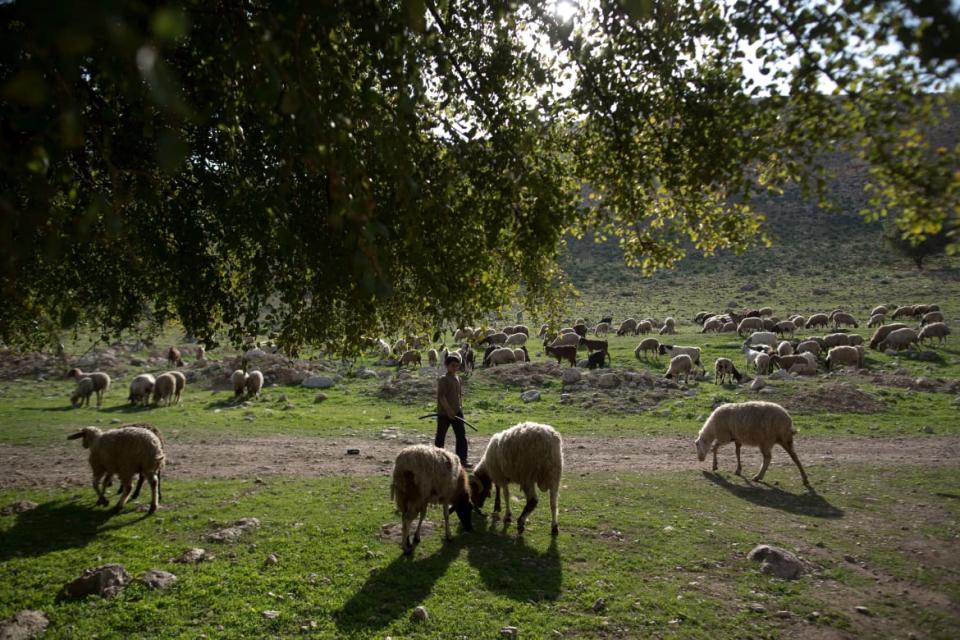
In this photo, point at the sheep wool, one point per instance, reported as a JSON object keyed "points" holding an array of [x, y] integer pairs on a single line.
{"points": [[126, 452], [140, 389], [680, 365], [81, 394], [164, 389], [254, 383]]}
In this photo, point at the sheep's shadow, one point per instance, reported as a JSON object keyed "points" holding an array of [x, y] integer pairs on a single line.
{"points": [[511, 567], [64, 408], [810, 503], [58, 525], [129, 408], [396, 589]]}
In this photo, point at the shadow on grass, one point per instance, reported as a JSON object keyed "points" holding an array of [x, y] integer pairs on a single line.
{"points": [[810, 503], [396, 589], [509, 566], [57, 525], [128, 408]]}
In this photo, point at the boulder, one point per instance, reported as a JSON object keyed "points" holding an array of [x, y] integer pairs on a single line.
{"points": [[608, 381], [158, 580], [192, 556], [757, 384], [318, 382], [366, 373], [105, 581], [420, 614], [24, 625], [320, 397], [777, 562], [571, 376], [530, 395]]}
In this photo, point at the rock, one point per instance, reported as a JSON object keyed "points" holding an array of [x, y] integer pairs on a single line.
{"points": [[928, 429], [366, 373], [750, 286], [318, 382], [420, 615], [783, 613], [599, 606], [20, 506], [192, 556], [270, 614], [571, 376], [861, 609], [24, 625], [353, 452], [776, 561], [509, 632], [282, 398], [756, 607], [320, 397], [531, 395], [106, 582], [849, 558], [233, 533], [608, 381], [757, 384], [158, 580], [256, 352], [779, 374], [271, 560], [583, 363], [138, 362]]}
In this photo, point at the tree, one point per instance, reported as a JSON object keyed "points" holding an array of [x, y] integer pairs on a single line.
{"points": [[915, 249], [351, 167]]}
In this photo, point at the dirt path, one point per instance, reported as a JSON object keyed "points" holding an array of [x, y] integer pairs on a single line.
{"points": [[315, 457]]}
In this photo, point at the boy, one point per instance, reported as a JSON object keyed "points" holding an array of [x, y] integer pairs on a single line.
{"points": [[450, 407]]}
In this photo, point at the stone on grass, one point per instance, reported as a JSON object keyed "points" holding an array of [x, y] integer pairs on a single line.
{"points": [[20, 506], [271, 615], [24, 625], [320, 397], [157, 579], [106, 582], [599, 605], [530, 395], [420, 614], [192, 556], [509, 632], [571, 376], [777, 562], [318, 382], [608, 381], [366, 373], [757, 384]]}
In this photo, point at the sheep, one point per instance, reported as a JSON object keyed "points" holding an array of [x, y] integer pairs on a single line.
{"points": [[432, 357], [596, 345], [843, 318], [140, 389], [766, 311], [784, 327], [900, 312], [724, 368], [500, 355], [920, 309], [756, 424], [763, 363], [788, 362], [854, 339], [881, 333], [164, 389], [671, 350], [528, 454], [543, 329], [933, 307], [424, 474], [602, 328], [648, 344], [409, 357], [173, 357], [798, 321], [934, 330], [123, 452], [399, 347], [749, 324], [522, 328], [728, 327], [669, 326], [520, 354], [899, 340], [817, 320], [784, 348], [753, 355], [181, 383], [562, 352], [566, 339], [81, 394], [628, 326], [101, 381], [876, 320], [836, 339], [712, 324], [238, 379], [201, 354], [680, 365], [879, 310], [254, 383], [702, 317], [517, 339], [845, 355], [931, 316], [761, 337]]}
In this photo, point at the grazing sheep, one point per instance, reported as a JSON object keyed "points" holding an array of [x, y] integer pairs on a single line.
{"points": [[140, 389], [765, 311], [702, 317], [755, 424], [101, 381], [81, 394], [933, 307], [809, 346], [817, 320], [764, 363], [498, 338], [432, 357], [628, 326], [843, 318], [528, 454], [517, 339], [522, 328], [254, 383], [749, 324], [164, 389], [879, 310], [920, 309], [543, 329], [899, 340], [602, 328], [239, 381], [712, 324], [724, 368], [501, 355], [566, 339], [399, 347], [201, 354], [123, 452], [836, 339], [384, 348], [669, 326], [788, 362], [904, 311], [761, 337], [173, 357], [882, 332], [876, 320], [754, 359], [409, 357], [845, 355], [424, 474], [784, 348], [580, 329], [680, 365], [648, 344], [784, 327], [728, 327], [854, 339], [562, 352], [934, 330], [520, 354], [671, 350], [181, 383], [644, 327], [931, 316], [596, 345]]}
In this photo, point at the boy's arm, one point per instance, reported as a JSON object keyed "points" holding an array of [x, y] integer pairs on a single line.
{"points": [[442, 400]]}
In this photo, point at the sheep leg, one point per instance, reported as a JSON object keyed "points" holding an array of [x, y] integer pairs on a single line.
{"points": [[154, 491], [136, 491], [796, 460], [763, 467], [405, 535], [555, 527], [423, 514], [715, 447], [446, 523], [739, 470], [127, 487], [532, 501], [101, 499], [496, 501], [506, 498]]}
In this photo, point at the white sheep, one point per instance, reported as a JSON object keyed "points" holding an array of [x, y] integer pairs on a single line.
{"points": [[517, 339], [82, 392], [905, 310], [882, 332], [411, 356], [566, 339], [502, 355], [761, 337], [497, 338], [845, 355], [254, 383], [644, 327], [648, 344], [876, 320], [879, 310], [669, 326], [809, 346], [602, 328], [164, 389], [750, 324], [784, 326], [126, 452], [817, 320], [181, 384], [931, 316], [239, 381], [101, 381], [934, 330], [755, 424], [712, 324], [424, 474], [463, 333], [140, 388], [785, 348], [680, 365], [836, 339], [528, 454], [899, 340], [520, 355], [627, 326], [671, 350], [843, 318], [729, 327], [724, 368], [432, 357]]}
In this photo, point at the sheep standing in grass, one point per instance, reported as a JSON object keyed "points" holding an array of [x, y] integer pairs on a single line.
{"points": [[648, 344], [712, 324], [254, 384], [931, 316], [882, 332], [432, 357], [755, 424], [562, 352], [876, 320], [724, 369], [124, 452], [934, 330], [836, 339], [784, 327], [904, 311], [749, 324], [644, 327], [669, 326], [528, 454], [409, 357], [785, 348], [899, 340], [239, 381], [181, 383], [627, 326], [845, 355], [500, 355], [424, 474], [520, 354], [761, 337], [842, 318], [566, 339], [173, 357], [817, 320], [602, 329], [680, 365], [101, 381], [164, 389], [82, 392], [516, 340], [140, 389], [879, 310], [671, 350]]}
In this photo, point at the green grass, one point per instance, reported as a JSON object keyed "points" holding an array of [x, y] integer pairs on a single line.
{"points": [[336, 577]]}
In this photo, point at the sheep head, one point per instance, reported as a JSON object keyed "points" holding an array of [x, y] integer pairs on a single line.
{"points": [[89, 434], [703, 446], [480, 487]]}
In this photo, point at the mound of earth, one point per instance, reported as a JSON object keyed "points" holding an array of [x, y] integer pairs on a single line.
{"points": [[835, 397], [410, 387], [525, 374]]}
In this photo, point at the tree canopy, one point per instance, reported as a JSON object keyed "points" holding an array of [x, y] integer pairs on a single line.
{"points": [[332, 169]]}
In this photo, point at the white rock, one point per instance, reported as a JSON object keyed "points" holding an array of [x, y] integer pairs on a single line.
{"points": [[318, 382], [531, 395]]}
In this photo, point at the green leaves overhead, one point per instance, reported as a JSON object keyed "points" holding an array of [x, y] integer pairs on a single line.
{"points": [[326, 170]]}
